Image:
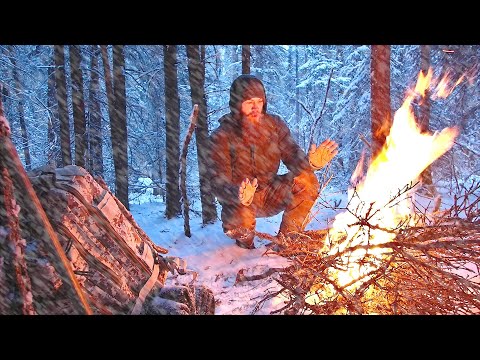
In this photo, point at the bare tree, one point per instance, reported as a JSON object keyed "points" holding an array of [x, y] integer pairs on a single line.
{"points": [[20, 109], [424, 116], [234, 60], [119, 130], [298, 118], [380, 96], [116, 97], [78, 104], [53, 134], [61, 94], [95, 153], [245, 59], [196, 71], [172, 124]]}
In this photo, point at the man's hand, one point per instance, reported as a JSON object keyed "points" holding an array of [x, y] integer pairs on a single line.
{"points": [[246, 191], [323, 154]]}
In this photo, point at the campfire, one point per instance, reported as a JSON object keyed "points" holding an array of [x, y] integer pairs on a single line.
{"points": [[388, 252]]}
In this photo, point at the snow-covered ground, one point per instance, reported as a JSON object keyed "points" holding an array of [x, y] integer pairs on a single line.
{"points": [[213, 259]]}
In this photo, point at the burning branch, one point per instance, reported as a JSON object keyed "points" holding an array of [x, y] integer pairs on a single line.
{"points": [[383, 254], [431, 267]]}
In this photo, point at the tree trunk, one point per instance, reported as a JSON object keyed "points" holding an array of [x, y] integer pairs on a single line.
{"points": [[424, 116], [20, 110], [95, 154], [78, 104], [245, 59], [380, 96], [114, 128], [119, 131], [172, 115], [298, 118], [54, 152], [234, 59], [61, 94], [260, 56], [196, 70], [108, 84]]}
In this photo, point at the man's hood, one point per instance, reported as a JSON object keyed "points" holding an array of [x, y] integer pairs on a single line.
{"points": [[243, 88]]}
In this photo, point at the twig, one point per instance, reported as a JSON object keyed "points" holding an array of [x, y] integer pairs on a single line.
{"points": [[241, 277], [362, 137]]}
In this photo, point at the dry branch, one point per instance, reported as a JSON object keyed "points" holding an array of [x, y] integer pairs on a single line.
{"points": [[315, 123], [432, 266], [241, 277]]}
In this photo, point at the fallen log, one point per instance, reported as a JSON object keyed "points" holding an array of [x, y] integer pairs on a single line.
{"points": [[33, 266]]}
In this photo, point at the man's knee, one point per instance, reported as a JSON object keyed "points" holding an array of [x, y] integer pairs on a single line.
{"points": [[306, 184]]}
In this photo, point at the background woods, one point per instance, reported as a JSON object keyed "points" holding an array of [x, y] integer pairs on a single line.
{"points": [[120, 111]]}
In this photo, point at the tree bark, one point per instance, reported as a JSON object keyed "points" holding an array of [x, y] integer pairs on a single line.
{"points": [[78, 104], [245, 59], [380, 96], [196, 70], [95, 153], [119, 131], [172, 115], [61, 94]]}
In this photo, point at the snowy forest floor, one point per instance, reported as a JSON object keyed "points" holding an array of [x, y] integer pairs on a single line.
{"points": [[213, 259]]}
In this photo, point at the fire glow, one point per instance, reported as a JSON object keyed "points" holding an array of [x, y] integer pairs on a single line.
{"points": [[405, 154]]}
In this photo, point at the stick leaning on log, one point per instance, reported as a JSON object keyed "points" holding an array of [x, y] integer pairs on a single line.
{"points": [[183, 170]]}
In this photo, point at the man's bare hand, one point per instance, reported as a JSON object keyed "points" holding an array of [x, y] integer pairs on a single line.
{"points": [[323, 154], [246, 190]]}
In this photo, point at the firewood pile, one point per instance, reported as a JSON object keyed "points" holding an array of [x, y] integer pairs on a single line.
{"points": [[430, 267]]}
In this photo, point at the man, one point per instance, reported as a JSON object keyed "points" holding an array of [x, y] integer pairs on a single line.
{"points": [[246, 150]]}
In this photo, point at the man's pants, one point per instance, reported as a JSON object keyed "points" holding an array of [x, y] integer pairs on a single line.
{"points": [[295, 195]]}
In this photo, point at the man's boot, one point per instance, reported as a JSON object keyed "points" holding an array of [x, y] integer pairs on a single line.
{"points": [[243, 237]]}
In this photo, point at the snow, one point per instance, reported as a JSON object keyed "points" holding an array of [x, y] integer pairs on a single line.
{"points": [[216, 259]]}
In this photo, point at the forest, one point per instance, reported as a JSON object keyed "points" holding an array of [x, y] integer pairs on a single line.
{"points": [[121, 111]]}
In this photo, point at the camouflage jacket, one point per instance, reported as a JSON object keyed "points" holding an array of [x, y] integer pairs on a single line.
{"points": [[235, 155]]}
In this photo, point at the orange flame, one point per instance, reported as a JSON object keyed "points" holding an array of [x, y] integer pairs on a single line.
{"points": [[405, 154]]}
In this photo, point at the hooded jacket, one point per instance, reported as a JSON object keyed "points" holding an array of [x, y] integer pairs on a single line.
{"points": [[235, 155]]}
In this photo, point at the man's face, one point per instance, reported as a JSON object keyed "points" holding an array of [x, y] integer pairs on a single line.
{"points": [[252, 109]]}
